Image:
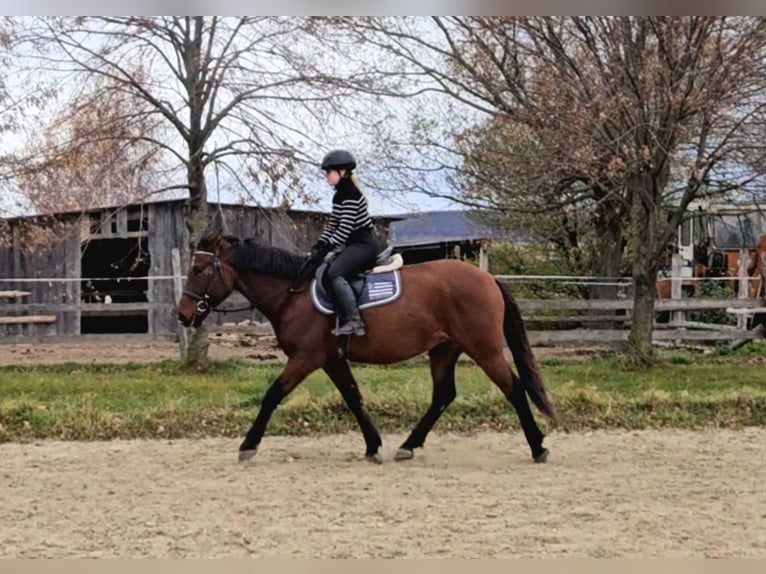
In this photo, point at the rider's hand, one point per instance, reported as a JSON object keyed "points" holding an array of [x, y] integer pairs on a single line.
{"points": [[320, 250]]}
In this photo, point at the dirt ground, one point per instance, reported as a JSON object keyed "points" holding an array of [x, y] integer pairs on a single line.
{"points": [[255, 347], [116, 350], [603, 494]]}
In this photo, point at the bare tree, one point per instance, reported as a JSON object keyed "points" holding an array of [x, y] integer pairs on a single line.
{"points": [[97, 151], [238, 93], [7, 105], [638, 115], [5, 35]]}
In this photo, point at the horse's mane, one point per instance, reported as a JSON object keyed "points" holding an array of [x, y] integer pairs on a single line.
{"points": [[254, 255]]}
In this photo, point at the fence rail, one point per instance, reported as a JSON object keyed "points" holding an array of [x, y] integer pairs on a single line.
{"points": [[552, 321]]}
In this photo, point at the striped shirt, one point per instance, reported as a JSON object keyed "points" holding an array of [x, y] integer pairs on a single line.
{"points": [[349, 217]]}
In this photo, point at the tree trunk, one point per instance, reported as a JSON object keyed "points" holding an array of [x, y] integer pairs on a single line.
{"points": [[605, 261], [199, 216], [607, 257], [644, 258], [197, 222], [640, 338]]}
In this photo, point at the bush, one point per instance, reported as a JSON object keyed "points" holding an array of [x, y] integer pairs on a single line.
{"points": [[714, 290], [508, 259]]}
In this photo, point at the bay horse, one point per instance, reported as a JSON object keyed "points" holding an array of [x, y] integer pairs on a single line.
{"points": [[447, 307]]}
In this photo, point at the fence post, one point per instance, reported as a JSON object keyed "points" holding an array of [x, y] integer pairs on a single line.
{"points": [[743, 290], [183, 342], [762, 288], [483, 258], [676, 292]]}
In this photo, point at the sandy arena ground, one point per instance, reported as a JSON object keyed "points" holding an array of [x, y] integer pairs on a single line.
{"points": [[253, 347], [603, 494], [113, 350]]}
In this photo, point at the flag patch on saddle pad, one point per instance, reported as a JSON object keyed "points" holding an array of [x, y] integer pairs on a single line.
{"points": [[379, 289]]}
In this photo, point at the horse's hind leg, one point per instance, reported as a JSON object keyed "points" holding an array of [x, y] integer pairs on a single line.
{"points": [[443, 360], [499, 371], [532, 432], [340, 374]]}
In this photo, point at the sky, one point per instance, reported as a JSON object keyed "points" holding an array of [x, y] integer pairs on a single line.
{"points": [[388, 203], [380, 204], [363, 144], [333, 133]]}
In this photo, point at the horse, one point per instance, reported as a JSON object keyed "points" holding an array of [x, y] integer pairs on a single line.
{"points": [[446, 308]]}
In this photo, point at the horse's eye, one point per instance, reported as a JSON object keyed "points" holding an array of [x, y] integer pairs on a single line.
{"points": [[197, 269]]}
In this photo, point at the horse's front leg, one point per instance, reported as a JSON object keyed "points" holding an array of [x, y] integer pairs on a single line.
{"points": [[341, 376], [295, 371]]}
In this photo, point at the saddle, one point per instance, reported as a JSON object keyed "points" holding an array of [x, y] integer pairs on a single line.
{"points": [[377, 286]]}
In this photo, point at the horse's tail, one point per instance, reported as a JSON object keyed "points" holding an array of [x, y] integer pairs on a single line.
{"points": [[529, 373]]}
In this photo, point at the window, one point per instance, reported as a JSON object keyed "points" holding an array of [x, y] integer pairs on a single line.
{"points": [[734, 231], [686, 226]]}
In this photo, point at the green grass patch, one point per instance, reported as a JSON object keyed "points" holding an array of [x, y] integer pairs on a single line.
{"points": [[162, 400]]}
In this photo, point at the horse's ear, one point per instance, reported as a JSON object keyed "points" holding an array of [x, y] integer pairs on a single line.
{"points": [[211, 239], [231, 240]]}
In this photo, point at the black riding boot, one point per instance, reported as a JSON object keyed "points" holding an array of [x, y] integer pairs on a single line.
{"points": [[348, 313]]}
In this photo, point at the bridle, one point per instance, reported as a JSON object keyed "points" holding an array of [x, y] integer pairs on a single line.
{"points": [[203, 301]]}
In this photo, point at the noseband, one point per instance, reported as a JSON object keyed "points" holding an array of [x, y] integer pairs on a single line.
{"points": [[203, 301]]}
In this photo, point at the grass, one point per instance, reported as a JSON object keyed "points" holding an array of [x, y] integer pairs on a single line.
{"points": [[161, 400]]}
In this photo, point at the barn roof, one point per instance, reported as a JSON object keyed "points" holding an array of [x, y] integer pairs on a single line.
{"points": [[450, 226], [153, 201]]}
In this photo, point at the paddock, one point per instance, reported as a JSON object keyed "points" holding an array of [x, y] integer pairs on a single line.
{"points": [[668, 493]]}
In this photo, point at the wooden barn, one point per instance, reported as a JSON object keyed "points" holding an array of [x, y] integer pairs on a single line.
{"points": [[110, 270], [449, 234]]}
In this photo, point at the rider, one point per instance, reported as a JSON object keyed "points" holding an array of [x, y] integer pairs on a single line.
{"points": [[349, 226]]}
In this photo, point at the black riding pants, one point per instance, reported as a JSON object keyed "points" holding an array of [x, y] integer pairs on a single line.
{"points": [[355, 258]]}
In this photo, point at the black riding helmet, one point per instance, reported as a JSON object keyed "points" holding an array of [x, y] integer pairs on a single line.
{"points": [[339, 159]]}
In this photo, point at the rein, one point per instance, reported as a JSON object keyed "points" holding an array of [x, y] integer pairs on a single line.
{"points": [[203, 305]]}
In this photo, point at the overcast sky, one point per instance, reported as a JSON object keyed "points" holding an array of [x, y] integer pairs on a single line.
{"points": [[335, 133]]}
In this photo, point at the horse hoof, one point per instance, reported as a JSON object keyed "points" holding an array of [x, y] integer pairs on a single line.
{"points": [[404, 454], [245, 455], [542, 457], [374, 458]]}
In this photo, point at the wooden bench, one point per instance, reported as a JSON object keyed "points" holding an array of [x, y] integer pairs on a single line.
{"points": [[24, 319], [14, 294]]}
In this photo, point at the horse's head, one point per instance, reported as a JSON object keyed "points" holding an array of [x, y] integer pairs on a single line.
{"points": [[210, 280]]}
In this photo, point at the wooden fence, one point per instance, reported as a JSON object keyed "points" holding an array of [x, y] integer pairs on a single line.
{"points": [[577, 321], [604, 312], [552, 321]]}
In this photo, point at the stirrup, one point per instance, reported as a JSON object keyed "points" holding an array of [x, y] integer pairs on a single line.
{"points": [[349, 329]]}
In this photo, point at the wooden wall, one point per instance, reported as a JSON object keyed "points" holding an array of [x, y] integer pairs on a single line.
{"points": [[59, 256], [35, 248]]}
